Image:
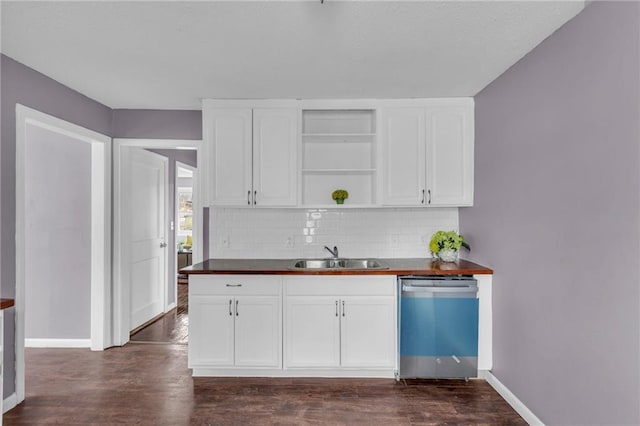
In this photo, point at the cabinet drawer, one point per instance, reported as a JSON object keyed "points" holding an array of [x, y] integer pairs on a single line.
{"points": [[340, 285], [257, 285]]}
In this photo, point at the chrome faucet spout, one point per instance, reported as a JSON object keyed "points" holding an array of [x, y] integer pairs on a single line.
{"points": [[334, 252]]}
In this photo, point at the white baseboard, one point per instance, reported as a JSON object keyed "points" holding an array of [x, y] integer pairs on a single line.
{"points": [[57, 343], [9, 402], [171, 306], [511, 399]]}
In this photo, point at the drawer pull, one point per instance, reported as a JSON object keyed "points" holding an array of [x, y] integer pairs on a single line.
{"points": [[234, 285]]}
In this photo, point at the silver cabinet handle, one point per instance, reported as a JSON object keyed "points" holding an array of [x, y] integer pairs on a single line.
{"points": [[429, 192], [249, 197], [422, 202], [343, 308], [234, 285], [230, 302], [163, 244], [237, 308], [336, 308], [255, 197]]}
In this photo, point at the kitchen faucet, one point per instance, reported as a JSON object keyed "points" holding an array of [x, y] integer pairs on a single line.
{"points": [[333, 252]]}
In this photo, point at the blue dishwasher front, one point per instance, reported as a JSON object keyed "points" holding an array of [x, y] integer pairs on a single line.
{"points": [[438, 327]]}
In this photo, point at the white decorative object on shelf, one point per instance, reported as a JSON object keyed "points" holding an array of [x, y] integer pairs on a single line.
{"points": [[448, 255]]}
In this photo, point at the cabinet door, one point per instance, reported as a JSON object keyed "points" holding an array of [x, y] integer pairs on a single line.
{"points": [[312, 332], [275, 142], [368, 328], [450, 155], [228, 133], [210, 331], [258, 340], [403, 156]]}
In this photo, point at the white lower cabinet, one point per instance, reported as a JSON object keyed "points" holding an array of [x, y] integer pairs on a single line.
{"points": [[312, 332], [340, 322], [211, 330], [235, 321], [257, 331], [271, 325], [367, 331]]}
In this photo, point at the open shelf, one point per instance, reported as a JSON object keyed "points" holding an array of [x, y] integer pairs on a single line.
{"points": [[317, 188], [338, 151]]}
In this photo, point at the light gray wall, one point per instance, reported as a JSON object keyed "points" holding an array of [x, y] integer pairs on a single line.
{"points": [[157, 124], [58, 236], [556, 215], [21, 84]]}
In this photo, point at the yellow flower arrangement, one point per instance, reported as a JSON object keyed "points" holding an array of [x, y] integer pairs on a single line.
{"points": [[447, 240], [339, 195]]}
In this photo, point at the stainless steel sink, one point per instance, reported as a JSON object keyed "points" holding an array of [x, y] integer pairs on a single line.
{"points": [[316, 264]]}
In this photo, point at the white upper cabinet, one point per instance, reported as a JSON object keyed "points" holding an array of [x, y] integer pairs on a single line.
{"points": [[252, 156], [295, 153], [403, 156], [275, 141], [427, 154], [450, 136], [228, 135]]}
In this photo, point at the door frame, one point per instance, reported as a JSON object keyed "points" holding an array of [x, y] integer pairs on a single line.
{"points": [[121, 290], [194, 184], [100, 230]]}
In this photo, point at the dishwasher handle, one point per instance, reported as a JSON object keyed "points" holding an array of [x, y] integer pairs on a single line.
{"points": [[407, 288]]}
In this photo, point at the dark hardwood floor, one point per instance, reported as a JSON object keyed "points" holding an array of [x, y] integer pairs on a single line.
{"points": [[151, 385], [173, 327], [147, 384]]}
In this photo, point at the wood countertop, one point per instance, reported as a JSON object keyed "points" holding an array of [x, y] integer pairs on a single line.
{"points": [[413, 266], [6, 303]]}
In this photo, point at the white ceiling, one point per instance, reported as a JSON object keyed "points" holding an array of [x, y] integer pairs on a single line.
{"points": [[169, 55]]}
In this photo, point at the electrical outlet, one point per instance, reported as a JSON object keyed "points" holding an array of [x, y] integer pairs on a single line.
{"points": [[289, 243], [225, 241]]}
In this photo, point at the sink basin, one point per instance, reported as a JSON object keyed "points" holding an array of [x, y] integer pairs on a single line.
{"points": [[338, 264]]}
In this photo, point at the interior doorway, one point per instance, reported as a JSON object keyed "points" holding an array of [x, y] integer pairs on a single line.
{"points": [[122, 259], [172, 327], [51, 155]]}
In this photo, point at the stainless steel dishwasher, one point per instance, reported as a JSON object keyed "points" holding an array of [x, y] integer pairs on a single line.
{"points": [[438, 320]]}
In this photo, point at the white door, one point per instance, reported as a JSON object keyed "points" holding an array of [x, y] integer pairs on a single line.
{"points": [[450, 155], [312, 330], [368, 332], [403, 156], [275, 145], [145, 217], [258, 340], [211, 331], [229, 131]]}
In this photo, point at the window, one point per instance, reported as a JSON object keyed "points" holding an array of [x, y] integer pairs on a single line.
{"points": [[185, 211]]}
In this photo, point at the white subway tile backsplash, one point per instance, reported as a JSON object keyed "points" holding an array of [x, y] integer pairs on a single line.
{"points": [[381, 232]]}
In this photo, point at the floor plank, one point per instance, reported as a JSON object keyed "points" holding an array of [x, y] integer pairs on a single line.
{"points": [[151, 385]]}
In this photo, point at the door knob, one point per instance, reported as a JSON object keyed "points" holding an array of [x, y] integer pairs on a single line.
{"points": [[163, 244]]}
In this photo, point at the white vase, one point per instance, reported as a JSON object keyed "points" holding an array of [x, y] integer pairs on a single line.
{"points": [[448, 255]]}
